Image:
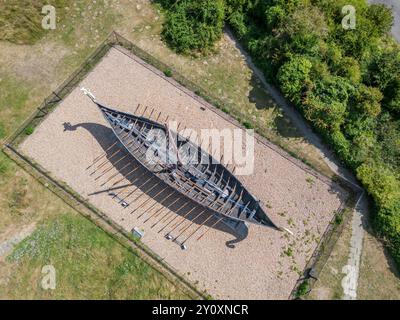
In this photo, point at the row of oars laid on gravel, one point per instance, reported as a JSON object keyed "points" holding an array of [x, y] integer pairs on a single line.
{"points": [[125, 185]]}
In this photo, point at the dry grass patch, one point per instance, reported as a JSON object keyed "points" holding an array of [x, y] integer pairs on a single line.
{"points": [[329, 284], [88, 263], [379, 278]]}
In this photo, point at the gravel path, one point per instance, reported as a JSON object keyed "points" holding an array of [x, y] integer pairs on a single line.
{"points": [[264, 265]]}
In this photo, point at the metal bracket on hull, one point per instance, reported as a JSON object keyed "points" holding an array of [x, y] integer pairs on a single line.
{"points": [[238, 226], [121, 201]]}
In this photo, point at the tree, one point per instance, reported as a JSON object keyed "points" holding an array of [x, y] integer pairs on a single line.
{"points": [[368, 101], [388, 133], [384, 68], [392, 97], [292, 77], [382, 18], [350, 69], [194, 25]]}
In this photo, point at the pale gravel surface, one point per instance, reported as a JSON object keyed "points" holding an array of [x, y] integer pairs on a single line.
{"points": [[256, 268]]}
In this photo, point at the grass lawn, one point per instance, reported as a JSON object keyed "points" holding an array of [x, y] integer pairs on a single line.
{"points": [[88, 263], [379, 277]]}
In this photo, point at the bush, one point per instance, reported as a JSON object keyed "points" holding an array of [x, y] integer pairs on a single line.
{"points": [[29, 130], [338, 219], [292, 77], [303, 289], [236, 21], [194, 25], [248, 125], [168, 72], [384, 188], [345, 82]]}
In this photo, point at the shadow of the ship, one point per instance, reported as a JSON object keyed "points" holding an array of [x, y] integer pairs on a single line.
{"points": [[153, 187]]}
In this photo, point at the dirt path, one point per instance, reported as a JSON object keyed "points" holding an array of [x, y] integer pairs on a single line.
{"points": [[350, 282]]}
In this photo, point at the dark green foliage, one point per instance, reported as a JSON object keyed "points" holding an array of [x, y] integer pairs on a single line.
{"points": [[382, 18], [29, 131], [293, 76], [338, 219], [388, 132], [193, 25], [345, 82], [303, 289], [168, 72], [248, 125]]}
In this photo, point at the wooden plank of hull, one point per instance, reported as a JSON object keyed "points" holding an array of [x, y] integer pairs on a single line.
{"points": [[237, 204]]}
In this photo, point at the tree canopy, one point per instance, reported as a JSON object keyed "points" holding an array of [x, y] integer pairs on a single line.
{"points": [[345, 81]]}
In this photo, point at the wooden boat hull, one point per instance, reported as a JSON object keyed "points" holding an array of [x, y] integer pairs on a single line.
{"points": [[206, 181]]}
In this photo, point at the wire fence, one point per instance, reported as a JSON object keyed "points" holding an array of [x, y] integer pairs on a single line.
{"points": [[329, 238]]}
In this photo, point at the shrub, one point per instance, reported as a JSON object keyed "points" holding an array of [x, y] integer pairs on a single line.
{"points": [[303, 289], [248, 125], [292, 77], [338, 219], [168, 72], [4, 163], [194, 25], [29, 130], [236, 21]]}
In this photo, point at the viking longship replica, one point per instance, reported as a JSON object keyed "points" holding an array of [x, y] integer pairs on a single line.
{"points": [[205, 181]]}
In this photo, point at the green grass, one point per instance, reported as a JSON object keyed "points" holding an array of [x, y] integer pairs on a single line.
{"points": [[248, 125], [5, 164], [21, 20], [14, 96], [88, 264]]}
